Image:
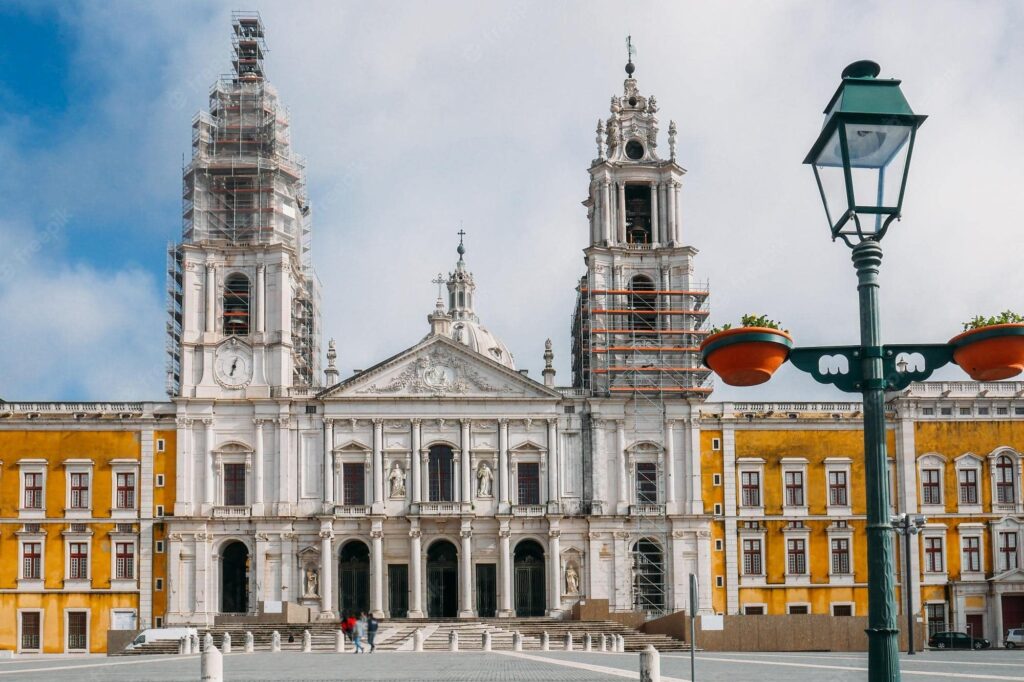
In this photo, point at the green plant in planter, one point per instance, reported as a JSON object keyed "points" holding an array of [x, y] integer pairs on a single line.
{"points": [[751, 320], [1005, 317]]}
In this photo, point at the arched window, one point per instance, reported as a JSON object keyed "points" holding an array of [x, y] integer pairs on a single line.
{"points": [[643, 302], [648, 576], [1006, 488], [442, 474], [236, 304], [638, 214]]}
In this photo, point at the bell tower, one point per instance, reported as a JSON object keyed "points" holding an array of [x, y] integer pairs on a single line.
{"points": [[639, 310], [243, 298]]}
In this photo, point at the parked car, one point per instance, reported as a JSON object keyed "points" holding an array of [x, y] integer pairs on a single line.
{"points": [[1014, 638], [957, 640], [159, 634]]}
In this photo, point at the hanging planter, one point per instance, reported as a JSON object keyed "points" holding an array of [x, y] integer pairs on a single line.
{"points": [[991, 349], [747, 355]]}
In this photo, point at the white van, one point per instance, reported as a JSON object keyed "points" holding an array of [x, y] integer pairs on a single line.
{"points": [[1014, 638], [158, 634]]}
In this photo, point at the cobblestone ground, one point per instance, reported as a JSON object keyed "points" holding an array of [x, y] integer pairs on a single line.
{"points": [[520, 667]]}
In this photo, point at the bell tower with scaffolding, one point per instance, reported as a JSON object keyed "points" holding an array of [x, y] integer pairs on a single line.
{"points": [[243, 299]]}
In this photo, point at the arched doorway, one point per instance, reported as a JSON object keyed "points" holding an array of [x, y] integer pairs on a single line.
{"points": [[648, 576], [529, 579], [442, 580], [234, 578], [354, 578]]}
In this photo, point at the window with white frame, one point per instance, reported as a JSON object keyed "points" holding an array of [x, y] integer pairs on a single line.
{"points": [[968, 483], [32, 560], [840, 540], [1008, 558], [78, 560], [33, 488], [77, 629], [78, 487], [931, 468], [750, 483], [934, 557], [971, 554], [840, 556], [124, 561], [968, 486], [30, 630], [124, 481], [794, 488], [837, 480], [935, 616], [750, 472], [125, 493], [1005, 476], [752, 564], [794, 476], [646, 482], [796, 556]]}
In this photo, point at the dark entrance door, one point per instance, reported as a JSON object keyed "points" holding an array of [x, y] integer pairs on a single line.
{"points": [[486, 590], [976, 625], [1013, 612], [442, 580], [234, 578], [529, 579], [354, 578], [398, 590]]}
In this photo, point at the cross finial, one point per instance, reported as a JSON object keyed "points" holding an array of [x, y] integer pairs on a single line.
{"points": [[439, 281], [462, 249], [630, 51]]}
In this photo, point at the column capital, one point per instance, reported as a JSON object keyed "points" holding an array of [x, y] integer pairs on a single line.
{"points": [[554, 534], [329, 421], [552, 421], [284, 422], [415, 421], [182, 422], [466, 422], [208, 422], [377, 421], [415, 534], [376, 534], [670, 423], [465, 534], [504, 533], [503, 421], [258, 421]]}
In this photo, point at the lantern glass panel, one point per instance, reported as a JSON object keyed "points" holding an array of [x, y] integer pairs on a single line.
{"points": [[878, 162], [828, 168]]}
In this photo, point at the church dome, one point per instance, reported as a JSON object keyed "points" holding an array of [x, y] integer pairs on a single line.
{"points": [[471, 333]]}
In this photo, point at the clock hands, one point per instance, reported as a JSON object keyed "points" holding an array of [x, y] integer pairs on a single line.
{"points": [[233, 366]]}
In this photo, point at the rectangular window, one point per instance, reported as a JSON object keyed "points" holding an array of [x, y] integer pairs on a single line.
{"points": [[124, 561], [234, 485], [716, 479], [79, 490], [1007, 551], [159, 584], [161, 445], [33, 490], [1006, 492], [794, 488], [159, 481], [796, 553], [719, 581], [353, 481], [78, 555], [159, 547], [936, 615], [798, 609], [931, 488], [842, 610], [32, 555], [159, 622], [30, 630], [442, 475], [753, 610], [750, 484], [77, 630], [837, 496], [646, 483], [972, 554], [718, 509], [126, 490], [716, 444], [928, 411], [933, 555], [841, 556], [528, 482], [968, 486], [751, 557], [718, 545], [159, 510]]}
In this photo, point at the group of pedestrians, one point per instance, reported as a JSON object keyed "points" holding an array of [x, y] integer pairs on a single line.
{"points": [[360, 630]]}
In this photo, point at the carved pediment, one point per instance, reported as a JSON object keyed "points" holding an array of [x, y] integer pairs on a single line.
{"points": [[439, 368]]}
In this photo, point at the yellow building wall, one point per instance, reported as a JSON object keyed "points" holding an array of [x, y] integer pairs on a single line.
{"points": [[163, 463], [54, 636], [711, 464]]}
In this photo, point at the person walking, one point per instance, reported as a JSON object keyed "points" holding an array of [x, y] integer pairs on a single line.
{"points": [[371, 632], [359, 634]]}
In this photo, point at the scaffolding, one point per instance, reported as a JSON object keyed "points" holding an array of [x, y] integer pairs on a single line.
{"points": [[244, 186]]}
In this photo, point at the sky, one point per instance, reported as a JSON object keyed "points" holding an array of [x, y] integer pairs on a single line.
{"points": [[417, 118]]}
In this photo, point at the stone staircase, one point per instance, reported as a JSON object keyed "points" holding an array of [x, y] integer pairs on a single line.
{"points": [[397, 635]]}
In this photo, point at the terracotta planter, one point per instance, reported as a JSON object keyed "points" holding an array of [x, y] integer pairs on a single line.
{"points": [[990, 353], [746, 356]]}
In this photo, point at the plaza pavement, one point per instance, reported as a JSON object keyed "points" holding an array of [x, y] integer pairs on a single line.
{"points": [[519, 667]]}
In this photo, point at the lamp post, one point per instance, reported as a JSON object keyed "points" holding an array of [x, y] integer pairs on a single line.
{"points": [[908, 526]]}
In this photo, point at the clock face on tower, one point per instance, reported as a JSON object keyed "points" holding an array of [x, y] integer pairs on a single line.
{"points": [[232, 364]]}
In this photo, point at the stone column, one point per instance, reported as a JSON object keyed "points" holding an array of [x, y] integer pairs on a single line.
{"points": [[671, 232], [424, 475], [414, 460], [326, 574], [670, 465], [211, 297], [599, 465], [378, 465], [257, 497], [415, 567], [554, 570], [261, 300], [595, 223], [210, 470], [377, 552], [505, 569], [693, 469], [606, 214], [622, 213], [553, 492], [466, 577], [203, 602], [677, 226], [284, 464], [503, 470], [621, 464], [704, 605], [663, 218], [329, 464], [291, 588], [183, 481], [466, 464], [655, 226]]}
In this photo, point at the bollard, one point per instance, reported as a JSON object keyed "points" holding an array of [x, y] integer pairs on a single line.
{"points": [[588, 642], [517, 641], [195, 643], [211, 667], [417, 640], [225, 643], [207, 641], [544, 641], [622, 644], [307, 642], [485, 640], [250, 644], [650, 665], [275, 642], [453, 641], [339, 646], [604, 642], [185, 645], [568, 641]]}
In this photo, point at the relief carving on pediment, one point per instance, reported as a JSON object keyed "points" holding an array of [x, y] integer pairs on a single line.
{"points": [[438, 372]]}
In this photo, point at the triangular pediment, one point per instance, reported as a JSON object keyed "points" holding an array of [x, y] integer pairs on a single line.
{"points": [[1015, 575], [438, 367]]}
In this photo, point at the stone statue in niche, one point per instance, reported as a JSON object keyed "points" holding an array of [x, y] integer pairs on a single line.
{"points": [[484, 480], [572, 580], [311, 583], [397, 480]]}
